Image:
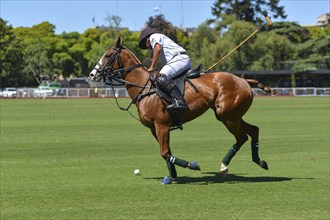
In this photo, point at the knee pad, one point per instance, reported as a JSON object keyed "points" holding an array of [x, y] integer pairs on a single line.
{"points": [[164, 82]]}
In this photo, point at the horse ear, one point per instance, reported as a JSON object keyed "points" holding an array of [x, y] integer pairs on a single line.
{"points": [[119, 41]]}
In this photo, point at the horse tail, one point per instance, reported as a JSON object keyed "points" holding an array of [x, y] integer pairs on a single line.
{"points": [[266, 89]]}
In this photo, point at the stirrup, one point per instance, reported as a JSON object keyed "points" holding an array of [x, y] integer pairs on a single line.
{"points": [[178, 104]]}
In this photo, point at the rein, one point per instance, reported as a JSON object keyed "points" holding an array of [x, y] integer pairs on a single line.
{"points": [[108, 72]]}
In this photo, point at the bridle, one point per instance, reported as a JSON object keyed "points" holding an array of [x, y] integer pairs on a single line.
{"points": [[109, 75]]}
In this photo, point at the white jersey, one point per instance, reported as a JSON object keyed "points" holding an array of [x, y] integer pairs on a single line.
{"points": [[170, 48], [174, 62]]}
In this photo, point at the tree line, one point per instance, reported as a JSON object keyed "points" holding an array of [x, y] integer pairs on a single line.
{"points": [[30, 55]]}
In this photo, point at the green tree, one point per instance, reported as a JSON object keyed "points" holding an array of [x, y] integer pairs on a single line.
{"points": [[200, 44], [311, 45], [69, 56], [77, 52], [131, 41], [247, 10], [11, 57], [108, 38], [318, 31], [44, 29], [237, 33], [38, 46], [294, 32], [37, 60], [64, 64], [183, 39], [272, 51], [96, 49], [313, 54], [94, 34], [209, 46], [160, 23], [264, 51]]}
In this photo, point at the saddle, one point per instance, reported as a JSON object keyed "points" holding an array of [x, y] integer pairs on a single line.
{"points": [[180, 82]]}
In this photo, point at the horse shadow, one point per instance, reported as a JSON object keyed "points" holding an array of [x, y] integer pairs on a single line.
{"points": [[216, 177]]}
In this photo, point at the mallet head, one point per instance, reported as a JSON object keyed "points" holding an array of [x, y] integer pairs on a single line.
{"points": [[268, 20]]}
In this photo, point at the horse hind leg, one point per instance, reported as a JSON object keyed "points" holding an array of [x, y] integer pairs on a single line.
{"points": [[253, 132], [241, 137]]}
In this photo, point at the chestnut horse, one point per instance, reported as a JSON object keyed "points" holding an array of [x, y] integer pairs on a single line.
{"points": [[229, 96]]}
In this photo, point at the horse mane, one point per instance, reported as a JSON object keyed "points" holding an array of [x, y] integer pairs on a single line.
{"points": [[134, 56]]}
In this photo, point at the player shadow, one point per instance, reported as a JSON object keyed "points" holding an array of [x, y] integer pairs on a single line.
{"points": [[216, 177]]}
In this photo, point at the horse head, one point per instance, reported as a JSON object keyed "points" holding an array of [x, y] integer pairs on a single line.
{"points": [[109, 63]]}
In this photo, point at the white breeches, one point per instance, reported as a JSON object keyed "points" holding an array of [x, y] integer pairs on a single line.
{"points": [[176, 66]]}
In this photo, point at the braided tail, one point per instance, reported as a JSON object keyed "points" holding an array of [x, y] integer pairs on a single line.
{"points": [[261, 86]]}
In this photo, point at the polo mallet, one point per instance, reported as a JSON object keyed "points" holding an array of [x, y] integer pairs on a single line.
{"points": [[268, 21]]}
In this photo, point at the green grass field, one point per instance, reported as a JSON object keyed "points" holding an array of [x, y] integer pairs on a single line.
{"points": [[74, 159]]}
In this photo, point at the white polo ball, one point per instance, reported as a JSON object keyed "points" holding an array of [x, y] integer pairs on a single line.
{"points": [[136, 171]]}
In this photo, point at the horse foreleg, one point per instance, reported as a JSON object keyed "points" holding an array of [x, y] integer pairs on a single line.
{"points": [[172, 170], [170, 166], [163, 136]]}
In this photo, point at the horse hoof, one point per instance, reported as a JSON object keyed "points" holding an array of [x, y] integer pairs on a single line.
{"points": [[194, 166], [223, 169], [224, 172], [263, 164], [166, 180]]}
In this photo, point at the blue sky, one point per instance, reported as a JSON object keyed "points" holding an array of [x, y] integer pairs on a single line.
{"points": [[77, 15]]}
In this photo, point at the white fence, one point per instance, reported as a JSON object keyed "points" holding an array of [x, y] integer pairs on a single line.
{"points": [[296, 92], [121, 92], [74, 93]]}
